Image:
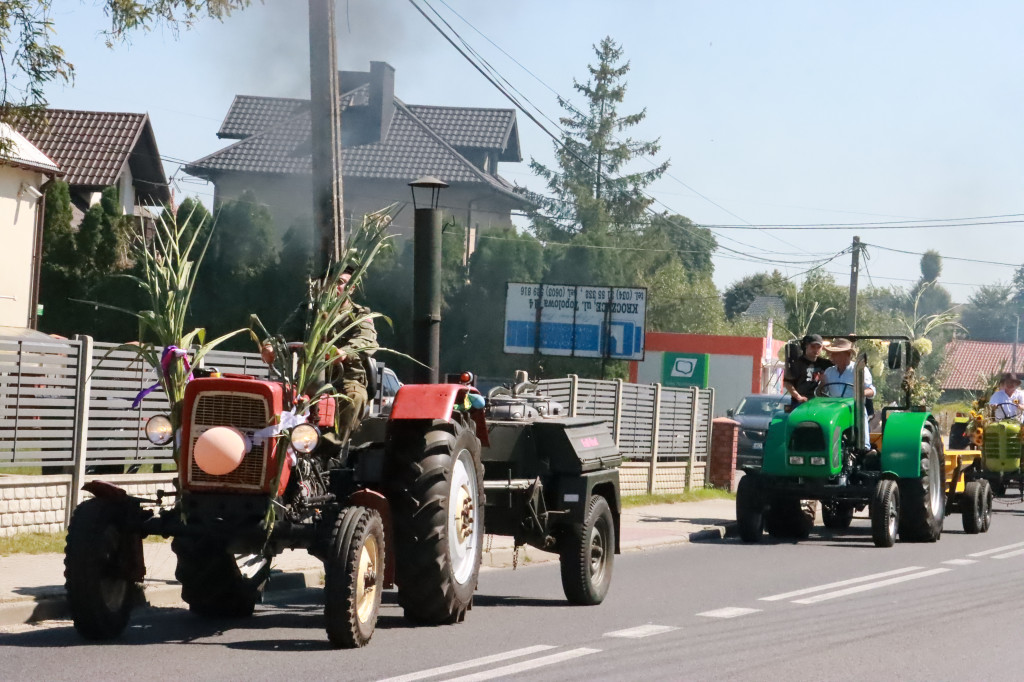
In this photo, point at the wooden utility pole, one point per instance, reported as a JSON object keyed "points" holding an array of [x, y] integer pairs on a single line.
{"points": [[325, 124], [851, 320]]}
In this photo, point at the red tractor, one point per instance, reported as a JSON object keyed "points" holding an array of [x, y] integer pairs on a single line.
{"points": [[400, 504]]}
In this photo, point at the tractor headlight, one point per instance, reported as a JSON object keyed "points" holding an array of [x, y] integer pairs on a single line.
{"points": [[159, 430], [304, 438], [796, 460], [818, 461]]}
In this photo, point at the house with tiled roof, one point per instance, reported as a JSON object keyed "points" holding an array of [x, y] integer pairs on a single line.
{"points": [[386, 144], [100, 149], [970, 364], [24, 173]]}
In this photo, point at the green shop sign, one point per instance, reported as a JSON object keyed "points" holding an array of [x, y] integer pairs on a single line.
{"points": [[684, 369]]}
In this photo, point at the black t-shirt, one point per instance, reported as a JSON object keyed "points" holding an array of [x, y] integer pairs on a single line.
{"points": [[804, 374]]}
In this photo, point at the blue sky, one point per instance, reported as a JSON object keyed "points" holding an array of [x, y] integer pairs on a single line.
{"points": [[770, 112]]}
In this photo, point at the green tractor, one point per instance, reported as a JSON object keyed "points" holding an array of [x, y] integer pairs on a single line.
{"points": [[817, 452]]}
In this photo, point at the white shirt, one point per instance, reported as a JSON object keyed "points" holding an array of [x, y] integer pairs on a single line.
{"points": [[842, 382], [1008, 406]]}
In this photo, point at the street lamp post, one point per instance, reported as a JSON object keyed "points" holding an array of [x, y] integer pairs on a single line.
{"points": [[426, 305]]}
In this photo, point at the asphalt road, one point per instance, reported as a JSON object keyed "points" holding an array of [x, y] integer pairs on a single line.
{"points": [[833, 607]]}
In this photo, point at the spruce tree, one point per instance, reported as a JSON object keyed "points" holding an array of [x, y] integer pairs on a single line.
{"points": [[590, 190]]}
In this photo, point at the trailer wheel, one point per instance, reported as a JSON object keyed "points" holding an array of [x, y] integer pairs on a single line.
{"points": [[837, 515], [789, 518], [970, 501], [885, 513], [986, 505], [216, 583], [923, 499], [749, 510], [439, 519], [97, 561], [353, 572], [588, 555]]}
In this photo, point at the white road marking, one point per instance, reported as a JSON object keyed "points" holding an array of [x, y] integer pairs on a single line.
{"points": [[641, 631], [841, 583], [728, 612], [960, 562], [476, 662], [526, 665], [997, 549], [870, 586], [1016, 552]]}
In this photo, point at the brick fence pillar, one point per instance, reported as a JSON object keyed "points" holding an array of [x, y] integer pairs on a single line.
{"points": [[722, 466]]}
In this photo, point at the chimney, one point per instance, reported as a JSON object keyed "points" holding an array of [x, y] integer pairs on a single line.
{"points": [[382, 98]]}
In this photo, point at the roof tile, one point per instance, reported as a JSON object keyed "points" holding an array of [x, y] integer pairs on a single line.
{"points": [[91, 146], [968, 364]]}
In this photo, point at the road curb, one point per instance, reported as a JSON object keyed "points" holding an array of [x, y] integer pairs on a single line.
{"points": [[54, 606]]}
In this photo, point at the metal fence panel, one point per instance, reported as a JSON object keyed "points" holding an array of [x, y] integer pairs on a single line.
{"points": [[38, 400]]}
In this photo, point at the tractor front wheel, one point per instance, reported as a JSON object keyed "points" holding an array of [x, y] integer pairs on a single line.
{"points": [[587, 556], [924, 498], [98, 559], [353, 574], [885, 513], [749, 510]]}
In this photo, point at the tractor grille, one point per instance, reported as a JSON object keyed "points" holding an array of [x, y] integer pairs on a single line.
{"points": [[245, 412], [807, 437], [1001, 442]]}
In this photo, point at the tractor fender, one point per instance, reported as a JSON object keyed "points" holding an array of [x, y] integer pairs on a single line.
{"points": [[371, 499], [107, 491], [436, 401], [901, 444]]}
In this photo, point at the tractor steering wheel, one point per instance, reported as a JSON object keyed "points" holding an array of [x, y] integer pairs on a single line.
{"points": [[1006, 409], [820, 391]]}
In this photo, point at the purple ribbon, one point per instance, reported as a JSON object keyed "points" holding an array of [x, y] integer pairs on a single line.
{"points": [[169, 355]]}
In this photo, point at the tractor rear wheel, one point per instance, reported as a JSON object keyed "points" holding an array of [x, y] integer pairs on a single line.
{"points": [[97, 567], [588, 554], [439, 518], [885, 513], [789, 518], [216, 583], [971, 502], [837, 515], [986, 505], [749, 510], [924, 498], [353, 576]]}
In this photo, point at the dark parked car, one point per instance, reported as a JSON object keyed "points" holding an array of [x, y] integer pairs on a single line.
{"points": [[753, 413]]}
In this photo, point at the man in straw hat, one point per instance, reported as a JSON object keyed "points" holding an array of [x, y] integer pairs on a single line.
{"points": [[1008, 401], [838, 380]]}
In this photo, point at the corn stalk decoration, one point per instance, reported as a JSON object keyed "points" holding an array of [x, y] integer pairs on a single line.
{"points": [[169, 264], [331, 318]]}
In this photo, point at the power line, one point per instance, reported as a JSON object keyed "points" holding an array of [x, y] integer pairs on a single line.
{"points": [[569, 105], [555, 137], [957, 258], [901, 224]]}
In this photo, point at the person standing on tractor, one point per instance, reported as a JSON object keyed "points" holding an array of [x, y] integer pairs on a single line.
{"points": [[803, 373], [1008, 401], [838, 380], [348, 375]]}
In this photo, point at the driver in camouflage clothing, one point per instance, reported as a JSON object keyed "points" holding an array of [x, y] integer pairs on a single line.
{"points": [[348, 376]]}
